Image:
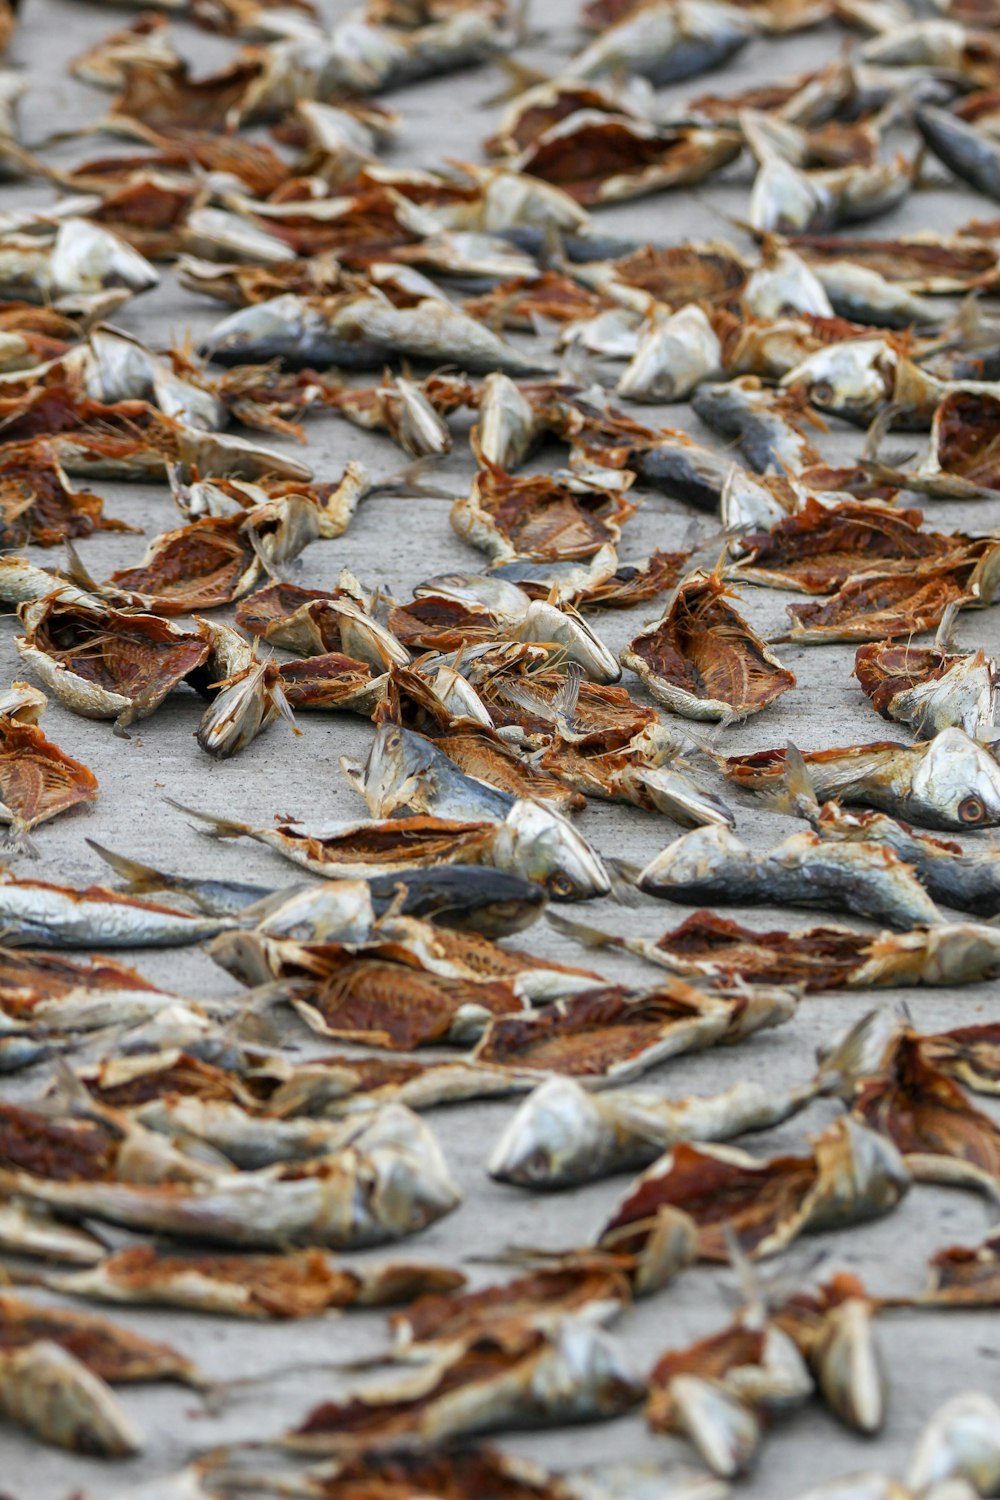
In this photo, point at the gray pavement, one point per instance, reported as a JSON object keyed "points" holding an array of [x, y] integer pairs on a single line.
{"points": [[394, 542]]}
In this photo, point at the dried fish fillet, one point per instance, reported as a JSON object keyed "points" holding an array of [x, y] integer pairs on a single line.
{"points": [[930, 688], [703, 660], [38, 781]]}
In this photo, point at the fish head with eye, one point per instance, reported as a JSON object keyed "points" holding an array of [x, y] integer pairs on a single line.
{"points": [[553, 1139], [535, 842], [853, 380], [957, 783], [545, 622]]}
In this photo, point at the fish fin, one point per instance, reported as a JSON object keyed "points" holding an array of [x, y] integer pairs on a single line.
{"points": [[519, 78], [140, 877], [589, 937], [625, 870], [799, 797], [944, 640], [221, 828]]}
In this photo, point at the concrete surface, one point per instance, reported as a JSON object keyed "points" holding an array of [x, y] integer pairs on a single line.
{"points": [[394, 543]]}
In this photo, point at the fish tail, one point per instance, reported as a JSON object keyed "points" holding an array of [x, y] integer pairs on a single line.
{"points": [[519, 77], [590, 937], [140, 877], [219, 828], [799, 796]]}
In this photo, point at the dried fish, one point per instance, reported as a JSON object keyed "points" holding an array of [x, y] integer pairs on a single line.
{"points": [[562, 1135], [959, 1442], [711, 864], [948, 782], [538, 517], [298, 1284], [56, 916], [576, 1373], [930, 688], [703, 660], [768, 426], [667, 41], [38, 781], [616, 1034], [851, 1174], [52, 1394], [110, 1351]]}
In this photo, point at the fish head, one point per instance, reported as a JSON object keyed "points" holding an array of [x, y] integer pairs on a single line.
{"points": [[957, 783], [853, 379], [88, 258], [478, 591], [336, 911], [536, 842], [699, 855], [553, 1139], [961, 1441], [545, 622], [264, 330], [725, 1430], [859, 1052], [849, 1367]]}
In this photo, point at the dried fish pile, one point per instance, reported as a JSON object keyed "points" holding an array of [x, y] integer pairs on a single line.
{"points": [[434, 438]]}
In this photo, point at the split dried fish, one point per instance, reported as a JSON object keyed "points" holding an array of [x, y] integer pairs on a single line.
{"points": [[38, 781], [930, 688], [703, 660]]}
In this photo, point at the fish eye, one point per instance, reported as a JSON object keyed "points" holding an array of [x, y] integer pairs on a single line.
{"points": [[971, 810], [561, 885], [821, 392]]}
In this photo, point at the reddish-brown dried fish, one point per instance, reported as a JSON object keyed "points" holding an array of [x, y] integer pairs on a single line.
{"points": [[104, 664], [820, 547], [111, 1352], [331, 681], [881, 606], [385, 1004], [599, 158], [818, 958], [605, 716], [537, 517], [930, 1119], [850, 1175], [617, 1033], [635, 583], [38, 781], [968, 1053], [38, 507], [521, 301], [149, 211], [965, 438], [298, 1284], [703, 660], [928, 687], [96, 1149], [163, 102], [38, 982], [922, 263], [679, 274], [319, 276], [963, 1276]]}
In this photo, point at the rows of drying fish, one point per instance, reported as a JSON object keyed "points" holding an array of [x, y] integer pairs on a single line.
{"points": [[180, 1154]]}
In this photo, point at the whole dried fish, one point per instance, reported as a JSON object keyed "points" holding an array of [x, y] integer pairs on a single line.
{"points": [[576, 1373], [46, 1390], [298, 1284], [711, 864], [947, 782], [56, 916], [538, 517], [703, 660], [768, 426], [562, 1135]]}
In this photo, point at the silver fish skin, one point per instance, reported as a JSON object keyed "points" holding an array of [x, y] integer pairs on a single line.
{"points": [[965, 698], [32, 1232], [743, 410], [666, 42], [46, 1390], [868, 1484], [863, 295], [848, 1366], [562, 1135], [367, 1194], [508, 426], [853, 380], [783, 283], [539, 844], [117, 367], [726, 1431], [87, 258], [218, 898], [360, 332], [968, 152], [52, 916], [711, 865], [961, 1441]]}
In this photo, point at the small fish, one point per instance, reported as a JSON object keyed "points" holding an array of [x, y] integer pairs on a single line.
{"points": [[46, 1390], [54, 916], [361, 331], [767, 426], [675, 354], [711, 864], [948, 782], [575, 1373], [32, 1232], [562, 1135], [298, 1284], [971, 154], [703, 660], [667, 41]]}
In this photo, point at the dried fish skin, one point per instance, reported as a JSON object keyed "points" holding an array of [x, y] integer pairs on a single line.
{"points": [[38, 781], [712, 865], [601, 158], [299, 1284], [852, 1174], [767, 425], [34, 1233], [703, 660], [963, 1276], [110, 1351], [53, 1395], [104, 664], [616, 1034], [963, 439], [368, 1194], [538, 517], [562, 1135], [820, 547], [575, 1374], [37, 505], [315, 622], [959, 1442], [949, 782], [930, 688]]}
